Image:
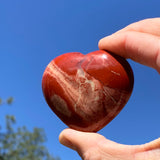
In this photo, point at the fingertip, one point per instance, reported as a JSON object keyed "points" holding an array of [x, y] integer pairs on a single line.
{"points": [[110, 43], [101, 43], [64, 138], [61, 136]]}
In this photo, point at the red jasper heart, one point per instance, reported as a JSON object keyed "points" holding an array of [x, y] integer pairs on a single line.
{"points": [[87, 91]]}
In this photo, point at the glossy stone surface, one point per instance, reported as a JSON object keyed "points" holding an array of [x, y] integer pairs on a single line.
{"points": [[87, 91]]}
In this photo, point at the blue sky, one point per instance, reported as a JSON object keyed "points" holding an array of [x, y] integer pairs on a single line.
{"points": [[33, 32]]}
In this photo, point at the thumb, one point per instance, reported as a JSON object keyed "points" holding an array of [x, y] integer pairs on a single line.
{"points": [[80, 141]]}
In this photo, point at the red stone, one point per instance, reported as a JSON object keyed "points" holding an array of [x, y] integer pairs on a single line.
{"points": [[87, 91]]}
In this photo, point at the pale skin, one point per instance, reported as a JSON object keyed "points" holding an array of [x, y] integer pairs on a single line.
{"points": [[140, 42]]}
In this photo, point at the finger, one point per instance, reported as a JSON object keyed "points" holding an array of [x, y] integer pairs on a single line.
{"points": [[152, 145], [79, 141], [140, 47], [151, 26]]}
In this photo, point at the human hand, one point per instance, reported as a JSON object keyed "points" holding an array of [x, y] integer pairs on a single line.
{"points": [[139, 41], [93, 146]]}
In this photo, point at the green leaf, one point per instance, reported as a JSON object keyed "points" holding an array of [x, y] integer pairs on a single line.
{"points": [[22, 144], [10, 100]]}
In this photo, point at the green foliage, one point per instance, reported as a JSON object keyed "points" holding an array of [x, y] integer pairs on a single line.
{"points": [[9, 101], [22, 144], [0, 104]]}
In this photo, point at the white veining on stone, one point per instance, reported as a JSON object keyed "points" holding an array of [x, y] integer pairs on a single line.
{"points": [[117, 103], [82, 80], [118, 74], [81, 89], [108, 93]]}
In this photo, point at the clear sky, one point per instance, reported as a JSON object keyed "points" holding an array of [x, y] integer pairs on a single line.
{"points": [[33, 32]]}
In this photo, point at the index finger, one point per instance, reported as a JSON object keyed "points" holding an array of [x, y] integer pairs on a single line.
{"points": [[140, 47]]}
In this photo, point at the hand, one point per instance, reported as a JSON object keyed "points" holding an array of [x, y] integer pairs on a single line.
{"points": [[93, 146], [139, 41]]}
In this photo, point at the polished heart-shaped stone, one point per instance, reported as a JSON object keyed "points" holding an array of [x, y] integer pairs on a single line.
{"points": [[87, 91]]}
